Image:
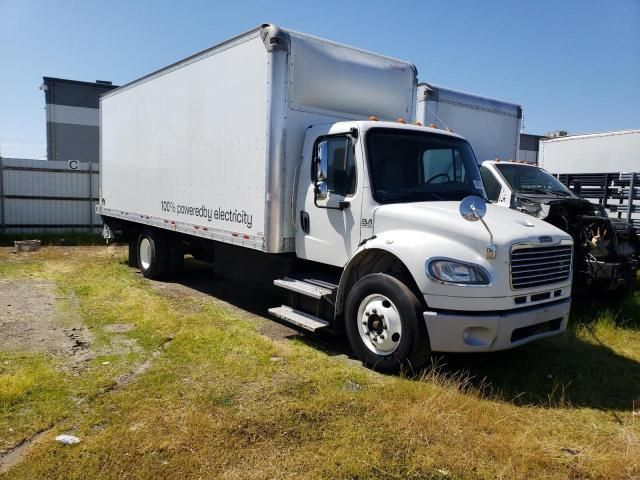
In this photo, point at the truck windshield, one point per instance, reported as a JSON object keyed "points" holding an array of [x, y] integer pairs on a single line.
{"points": [[527, 179], [414, 166]]}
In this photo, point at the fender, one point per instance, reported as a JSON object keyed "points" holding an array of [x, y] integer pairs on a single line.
{"points": [[411, 248]]}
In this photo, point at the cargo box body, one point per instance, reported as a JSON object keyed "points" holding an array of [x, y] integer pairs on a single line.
{"points": [[607, 152], [209, 146], [491, 126]]}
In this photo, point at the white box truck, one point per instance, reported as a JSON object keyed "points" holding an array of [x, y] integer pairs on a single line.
{"points": [[607, 152], [491, 126], [285, 158]]}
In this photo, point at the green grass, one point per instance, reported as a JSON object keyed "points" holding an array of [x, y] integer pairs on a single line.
{"points": [[47, 238], [33, 394], [224, 401]]}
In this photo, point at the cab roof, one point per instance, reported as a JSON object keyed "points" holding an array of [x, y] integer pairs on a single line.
{"points": [[364, 125]]}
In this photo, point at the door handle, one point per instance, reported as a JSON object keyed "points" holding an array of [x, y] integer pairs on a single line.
{"points": [[304, 221]]}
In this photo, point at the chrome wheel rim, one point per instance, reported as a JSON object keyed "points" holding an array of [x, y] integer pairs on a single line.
{"points": [[145, 253], [379, 324]]}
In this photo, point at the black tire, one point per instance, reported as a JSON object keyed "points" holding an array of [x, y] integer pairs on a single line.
{"points": [[158, 258], [176, 257], [132, 260], [413, 349]]}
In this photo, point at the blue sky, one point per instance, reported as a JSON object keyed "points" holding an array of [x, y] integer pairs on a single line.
{"points": [[572, 65]]}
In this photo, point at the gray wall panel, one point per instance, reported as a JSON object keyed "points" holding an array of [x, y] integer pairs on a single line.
{"points": [[73, 93], [74, 142], [23, 178], [72, 102]]}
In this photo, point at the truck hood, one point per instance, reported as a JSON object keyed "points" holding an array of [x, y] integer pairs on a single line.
{"points": [[443, 219], [543, 206]]}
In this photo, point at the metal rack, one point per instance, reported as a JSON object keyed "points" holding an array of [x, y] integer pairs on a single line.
{"points": [[618, 193]]}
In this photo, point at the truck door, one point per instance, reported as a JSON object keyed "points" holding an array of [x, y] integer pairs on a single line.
{"points": [[329, 220], [497, 191]]}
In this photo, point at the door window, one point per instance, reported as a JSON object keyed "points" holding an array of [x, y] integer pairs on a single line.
{"points": [[491, 184], [338, 164]]}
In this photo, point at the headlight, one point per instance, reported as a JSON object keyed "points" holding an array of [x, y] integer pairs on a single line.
{"points": [[452, 271], [525, 205]]}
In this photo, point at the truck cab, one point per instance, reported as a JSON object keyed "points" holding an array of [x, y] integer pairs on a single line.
{"points": [[425, 264]]}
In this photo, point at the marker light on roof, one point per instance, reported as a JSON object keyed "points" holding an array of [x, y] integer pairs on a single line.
{"points": [[373, 118], [418, 123], [400, 120], [433, 125]]}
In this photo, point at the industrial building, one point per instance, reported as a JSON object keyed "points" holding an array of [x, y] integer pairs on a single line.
{"points": [[73, 118], [529, 146]]}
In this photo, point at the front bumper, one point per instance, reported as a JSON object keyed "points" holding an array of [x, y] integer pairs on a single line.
{"points": [[452, 331]]}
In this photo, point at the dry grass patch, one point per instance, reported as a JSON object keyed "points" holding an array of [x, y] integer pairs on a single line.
{"points": [[224, 401]]}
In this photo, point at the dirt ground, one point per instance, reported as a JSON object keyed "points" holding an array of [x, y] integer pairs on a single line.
{"points": [[30, 320]]}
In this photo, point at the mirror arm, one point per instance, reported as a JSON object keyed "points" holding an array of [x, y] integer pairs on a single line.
{"points": [[485, 226], [341, 205]]}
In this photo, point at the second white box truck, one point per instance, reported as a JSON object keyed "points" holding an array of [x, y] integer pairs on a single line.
{"points": [[491, 126], [285, 158], [606, 152]]}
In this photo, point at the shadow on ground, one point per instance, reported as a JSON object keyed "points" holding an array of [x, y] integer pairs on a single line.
{"points": [[565, 371]]}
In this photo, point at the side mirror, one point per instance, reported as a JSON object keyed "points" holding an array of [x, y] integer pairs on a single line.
{"points": [[320, 172], [322, 162], [473, 208], [321, 190]]}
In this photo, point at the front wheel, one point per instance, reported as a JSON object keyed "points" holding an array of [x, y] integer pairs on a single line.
{"points": [[384, 324]]}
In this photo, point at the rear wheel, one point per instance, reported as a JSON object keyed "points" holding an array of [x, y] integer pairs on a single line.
{"points": [[384, 324], [153, 254], [132, 260], [176, 257]]}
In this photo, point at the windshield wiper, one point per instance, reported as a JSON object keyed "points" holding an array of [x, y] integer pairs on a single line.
{"points": [[534, 190], [561, 192]]}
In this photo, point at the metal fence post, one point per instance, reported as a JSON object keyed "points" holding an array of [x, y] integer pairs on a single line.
{"points": [[605, 191], [632, 184], [90, 198], [1, 198]]}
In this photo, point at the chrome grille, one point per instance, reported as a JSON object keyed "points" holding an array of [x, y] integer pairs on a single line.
{"points": [[537, 266]]}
